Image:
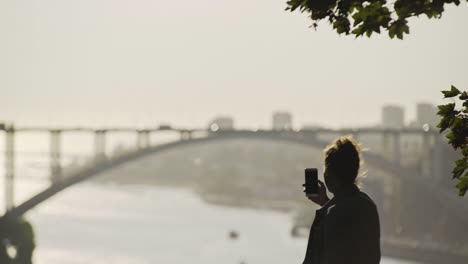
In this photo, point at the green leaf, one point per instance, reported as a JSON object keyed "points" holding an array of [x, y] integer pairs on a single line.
{"points": [[452, 93], [341, 25], [462, 185], [461, 166], [450, 136], [444, 124], [462, 163], [464, 96], [446, 110], [397, 28], [455, 122], [400, 35], [391, 32], [405, 29]]}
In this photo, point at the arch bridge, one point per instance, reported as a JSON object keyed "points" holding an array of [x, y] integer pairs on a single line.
{"points": [[390, 159], [418, 181]]}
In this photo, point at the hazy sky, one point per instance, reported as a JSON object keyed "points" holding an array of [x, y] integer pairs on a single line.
{"points": [[124, 62]]}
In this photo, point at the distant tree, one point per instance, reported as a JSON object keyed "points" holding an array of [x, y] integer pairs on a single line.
{"points": [[16, 234], [456, 120], [361, 17]]}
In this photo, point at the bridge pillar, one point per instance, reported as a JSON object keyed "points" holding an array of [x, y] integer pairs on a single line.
{"points": [[55, 157], [396, 205], [426, 157], [391, 149], [438, 158], [9, 166], [100, 144], [386, 151], [143, 139], [396, 157]]}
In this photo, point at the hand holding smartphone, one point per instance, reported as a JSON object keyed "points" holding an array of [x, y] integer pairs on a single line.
{"points": [[315, 190], [311, 182]]}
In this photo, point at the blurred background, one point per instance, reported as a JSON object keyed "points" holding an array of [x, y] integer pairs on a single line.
{"points": [[175, 131]]}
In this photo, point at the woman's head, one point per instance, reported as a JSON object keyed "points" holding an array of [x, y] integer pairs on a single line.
{"points": [[342, 161]]}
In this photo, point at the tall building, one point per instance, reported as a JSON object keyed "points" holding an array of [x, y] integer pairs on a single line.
{"points": [[426, 113], [393, 116], [282, 121], [221, 123]]}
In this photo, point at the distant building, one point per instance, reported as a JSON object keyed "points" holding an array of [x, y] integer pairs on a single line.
{"points": [[282, 121], [426, 114], [393, 117], [221, 123]]}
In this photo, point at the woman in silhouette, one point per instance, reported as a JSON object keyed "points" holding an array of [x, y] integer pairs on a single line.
{"points": [[346, 228]]}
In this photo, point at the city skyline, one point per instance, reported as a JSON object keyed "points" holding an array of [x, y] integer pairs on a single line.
{"points": [[393, 116]]}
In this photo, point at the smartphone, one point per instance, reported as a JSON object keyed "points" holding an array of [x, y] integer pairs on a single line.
{"points": [[311, 182]]}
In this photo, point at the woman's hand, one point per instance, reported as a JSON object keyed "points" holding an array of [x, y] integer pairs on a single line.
{"points": [[322, 198]]}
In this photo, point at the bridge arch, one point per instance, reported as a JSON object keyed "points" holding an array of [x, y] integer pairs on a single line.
{"points": [[95, 168]]}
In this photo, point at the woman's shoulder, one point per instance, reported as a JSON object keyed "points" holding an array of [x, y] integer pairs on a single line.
{"points": [[365, 200]]}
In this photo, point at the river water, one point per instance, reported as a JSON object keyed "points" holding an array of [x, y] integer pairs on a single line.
{"points": [[108, 223]]}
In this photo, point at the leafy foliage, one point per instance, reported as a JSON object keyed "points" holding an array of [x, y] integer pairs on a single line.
{"points": [[361, 17], [456, 120]]}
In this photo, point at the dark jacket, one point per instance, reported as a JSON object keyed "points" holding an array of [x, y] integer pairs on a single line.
{"points": [[345, 230]]}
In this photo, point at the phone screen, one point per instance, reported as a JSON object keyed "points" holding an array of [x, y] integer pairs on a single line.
{"points": [[311, 181]]}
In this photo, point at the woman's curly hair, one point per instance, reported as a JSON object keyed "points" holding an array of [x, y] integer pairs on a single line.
{"points": [[344, 158]]}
